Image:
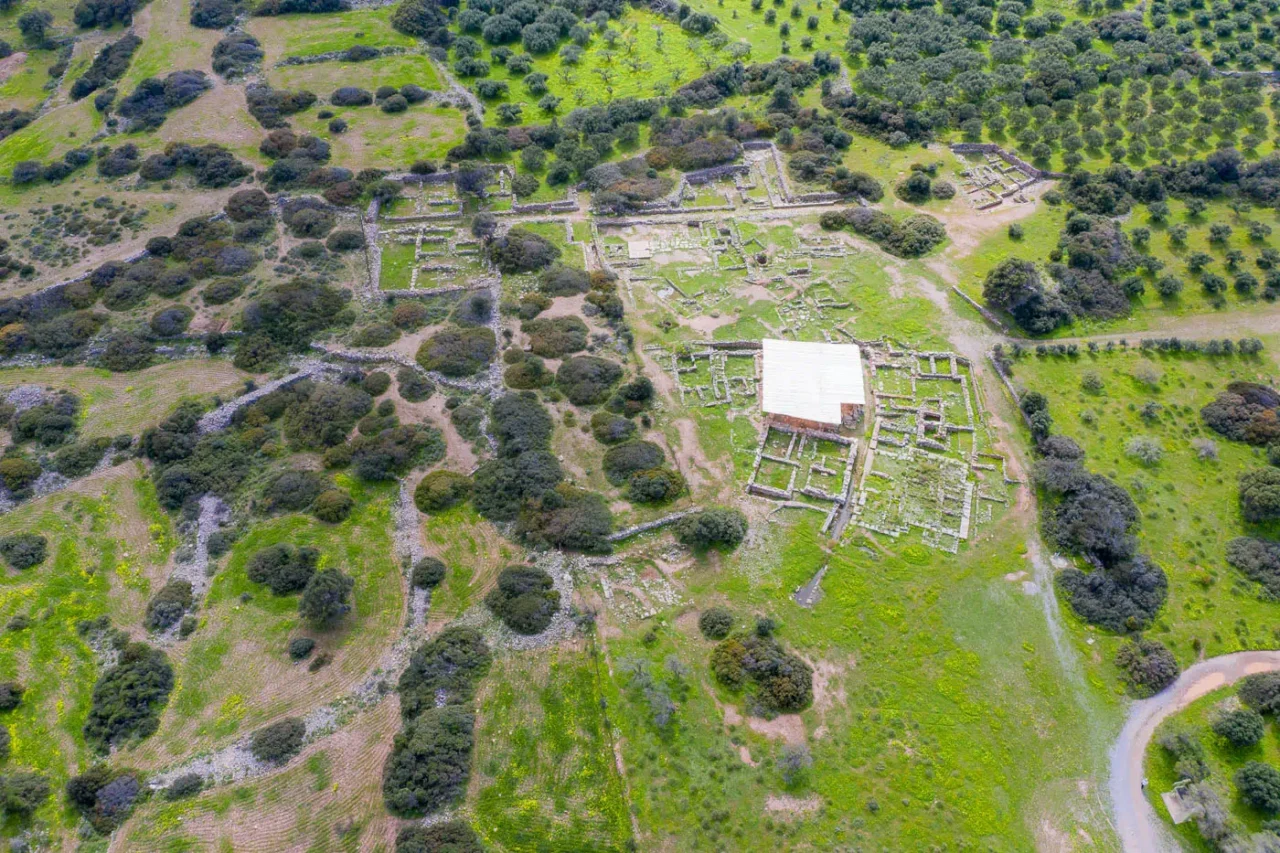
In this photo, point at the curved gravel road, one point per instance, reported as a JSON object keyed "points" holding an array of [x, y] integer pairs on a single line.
{"points": [[1139, 828]]}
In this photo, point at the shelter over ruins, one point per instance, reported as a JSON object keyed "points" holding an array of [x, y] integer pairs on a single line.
{"points": [[812, 385]]}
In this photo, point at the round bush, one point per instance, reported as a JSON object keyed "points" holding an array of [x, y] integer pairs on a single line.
{"points": [[345, 240], [712, 527], [395, 104], [171, 322], [375, 383], [1259, 786], [333, 506], [452, 836], [428, 573], [440, 490], [715, 622], [300, 647], [623, 460], [1243, 727], [525, 599], [222, 291], [24, 550], [186, 785], [278, 742], [413, 386], [350, 96]]}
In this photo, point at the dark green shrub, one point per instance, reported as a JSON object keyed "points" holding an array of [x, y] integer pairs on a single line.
{"points": [[521, 250], [654, 485], [171, 322], [458, 352], [345, 240], [587, 379], [555, 337], [375, 383], [430, 762], [186, 785], [428, 573], [561, 280], [10, 695], [454, 836], [23, 792], [393, 451], [326, 417], [527, 374], [782, 682], [79, 459], [502, 485], [293, 491], [333, 506], [301, 647], [568, 518], [18, 474], [413, 386], [283, 567], [1243, 727], [105, 797], [441, 490], [278, 742], [1259, 786], [1260, 494], [168, 605], [222, 291], [525, 599], [1261, 691], [475, 310], [23, 550], [609, 428], [623, 460], [715, 622], [712, 527], [126, 352], [325, 598], [467, 420], [129, 697], [447, 666], [1148, 666], [375, 335]]}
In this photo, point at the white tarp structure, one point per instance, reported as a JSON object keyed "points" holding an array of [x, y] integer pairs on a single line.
{"points": [[811, 381]]}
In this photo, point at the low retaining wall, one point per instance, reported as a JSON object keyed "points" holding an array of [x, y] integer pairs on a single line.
{"points": [[1011, 159]]}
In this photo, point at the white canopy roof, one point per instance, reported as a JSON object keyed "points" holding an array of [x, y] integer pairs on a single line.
{"points": [[811, 381]]}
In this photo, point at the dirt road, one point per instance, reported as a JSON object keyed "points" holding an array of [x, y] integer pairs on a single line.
{"points": [[1139, 828]]}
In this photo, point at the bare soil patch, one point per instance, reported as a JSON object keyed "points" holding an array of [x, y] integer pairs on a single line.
{"points": [[788, 728], [789, 805], [10, 64]]}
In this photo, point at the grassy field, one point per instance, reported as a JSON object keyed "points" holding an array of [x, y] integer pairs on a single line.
{"points": [[376, 138], [1189, 506], [308, 35], [323, 77], [330, 799], [544, 776], [1223, 760], [115, 403], [108, 546], [235, 674], [652, 56], [473, 550], [936, 678]]}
